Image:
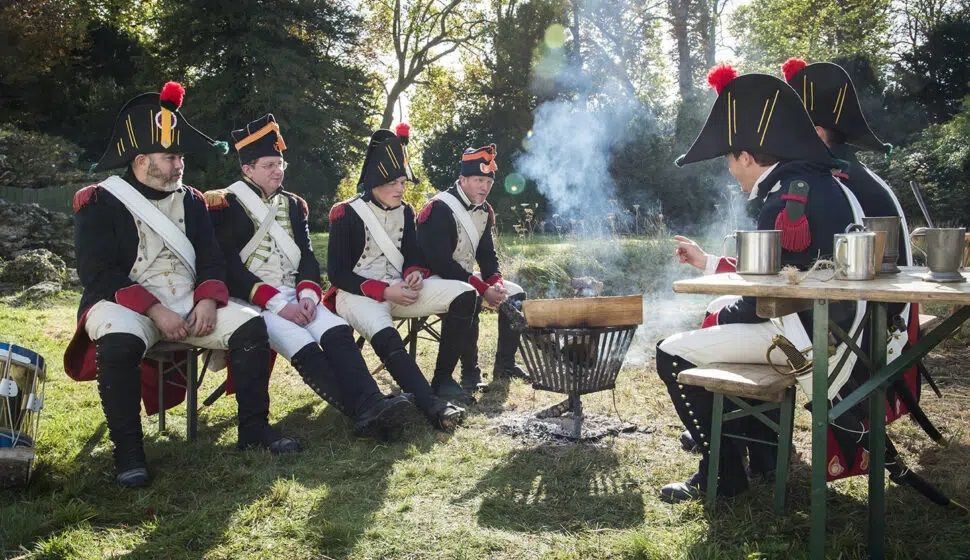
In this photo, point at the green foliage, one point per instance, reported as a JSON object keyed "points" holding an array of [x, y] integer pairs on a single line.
{"points": [[770, 31], [31, 159], [939, 160], [936, 73], [291, 58]]}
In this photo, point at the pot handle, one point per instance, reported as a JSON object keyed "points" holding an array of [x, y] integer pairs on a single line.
{"points": [[918, 232], [851, 228], [839, 257], [724, 243]]}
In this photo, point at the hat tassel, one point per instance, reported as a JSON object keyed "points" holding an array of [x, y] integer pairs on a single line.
{"points": [[795, 234]]}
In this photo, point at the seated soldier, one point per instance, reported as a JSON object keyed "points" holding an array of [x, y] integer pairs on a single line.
{"points": [[152, 270], [272, 269], [378, 273], [455, 232], [779, 161]]}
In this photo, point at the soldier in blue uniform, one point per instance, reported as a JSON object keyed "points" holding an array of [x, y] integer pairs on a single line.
{"points": [[265, 239]]}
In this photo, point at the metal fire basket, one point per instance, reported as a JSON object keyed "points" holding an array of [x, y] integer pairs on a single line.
{"points": [[574, 361]]}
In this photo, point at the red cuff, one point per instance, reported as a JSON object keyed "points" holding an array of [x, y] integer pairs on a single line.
{"points": [[710, 320], [374, 289], [212, 289], [262, 293], [478, 283], [425, 272], [136, 298], [726, 264], [494, 279], [309, 285]]}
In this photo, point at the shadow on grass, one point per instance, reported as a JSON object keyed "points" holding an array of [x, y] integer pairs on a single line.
{"points": [[206, 498], [558, 488]]}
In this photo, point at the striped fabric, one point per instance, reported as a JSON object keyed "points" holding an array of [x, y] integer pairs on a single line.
{"points": [[267, 247]]}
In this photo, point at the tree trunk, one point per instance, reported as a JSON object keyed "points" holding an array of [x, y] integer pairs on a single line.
{"points": [[680, 27]]}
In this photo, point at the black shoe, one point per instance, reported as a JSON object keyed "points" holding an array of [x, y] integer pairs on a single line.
{"points": [[687, 443], [471, 381], [384, 419], [445, 416], [510, 372], [270, 439], [677, 492], [136, 477], [448, 389]]}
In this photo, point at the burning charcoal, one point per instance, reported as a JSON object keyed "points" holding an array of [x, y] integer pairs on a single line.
{"points": [[586, 286], [516, 318]]}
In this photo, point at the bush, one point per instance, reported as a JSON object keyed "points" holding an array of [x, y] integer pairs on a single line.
{"points": [[34, 160]]}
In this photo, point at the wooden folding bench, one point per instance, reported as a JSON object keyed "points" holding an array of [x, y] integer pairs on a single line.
{"points": [[166, 356], [747, 381]]}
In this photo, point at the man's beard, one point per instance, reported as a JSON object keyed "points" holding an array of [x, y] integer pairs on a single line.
{"points": [[163, 182]]}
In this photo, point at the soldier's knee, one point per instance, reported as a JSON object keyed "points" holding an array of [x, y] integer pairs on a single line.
{"points": [[251, 333], [119, 350]]}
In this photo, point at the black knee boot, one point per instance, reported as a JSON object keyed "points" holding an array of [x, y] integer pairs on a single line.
{"points": [[374, 414], [316, 371], [508, 345], [456, 329], [694, 407], [471, 373], [119, 383], [390, 349], [249, 364]]}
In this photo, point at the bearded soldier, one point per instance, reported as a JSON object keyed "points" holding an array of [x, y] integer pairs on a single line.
{"points": [[265, 239], [759, 125], [378, 273], [455, 233], [152, 270]]}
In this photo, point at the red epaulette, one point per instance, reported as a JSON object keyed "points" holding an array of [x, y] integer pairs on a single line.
{"points": [[491, 213], [303, 205], [84, 196], [425, 212], [195, 192], [216, 200], [337, 212]]}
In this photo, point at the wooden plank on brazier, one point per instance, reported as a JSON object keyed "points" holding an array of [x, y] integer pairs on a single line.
{"points": [[584, 312]]}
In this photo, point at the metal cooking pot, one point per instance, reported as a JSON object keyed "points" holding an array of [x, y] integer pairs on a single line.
{"points": [[758, 251]]}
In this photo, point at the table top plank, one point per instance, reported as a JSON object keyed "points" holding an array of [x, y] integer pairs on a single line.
{"points": [[907, 286]]}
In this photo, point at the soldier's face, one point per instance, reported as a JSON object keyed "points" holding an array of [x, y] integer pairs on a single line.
{"points": [[390, 194], [476, 188], [744, 169], [161, 171], [267, 172]]}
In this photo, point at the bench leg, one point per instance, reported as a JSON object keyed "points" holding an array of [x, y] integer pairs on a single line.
{"points": [[787, 410], [191, 395], [714, 457]]}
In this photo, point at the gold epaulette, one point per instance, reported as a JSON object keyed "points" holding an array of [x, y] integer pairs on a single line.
{"points": [[216, 200]]}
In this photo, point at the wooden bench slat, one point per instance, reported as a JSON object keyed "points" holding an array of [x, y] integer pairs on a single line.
{"points": [[927, 322], [754, 381]]}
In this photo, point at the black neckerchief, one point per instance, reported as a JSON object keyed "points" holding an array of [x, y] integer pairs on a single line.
{"points": [[455, 190], [790, 170], [145, 190]]}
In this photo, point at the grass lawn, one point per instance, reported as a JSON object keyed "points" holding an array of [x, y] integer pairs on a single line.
{"points": [[479, 493]]}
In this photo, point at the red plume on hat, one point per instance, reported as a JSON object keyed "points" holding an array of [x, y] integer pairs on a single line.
{"points": [[403, 131], [720, 76], [171, 96], [792, 66]]}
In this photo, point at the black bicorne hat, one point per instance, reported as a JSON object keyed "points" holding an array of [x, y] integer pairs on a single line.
{"points": [[479, 162], [756, 113], [151, 123], [386, 159], [258, 139], [830, 98]]}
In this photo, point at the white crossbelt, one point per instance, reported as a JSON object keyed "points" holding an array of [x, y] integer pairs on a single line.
{"points": [[460, 212], [377, 231], [171, 235], [267, 225]]}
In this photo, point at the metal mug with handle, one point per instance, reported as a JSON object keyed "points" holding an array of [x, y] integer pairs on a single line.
{"points": [[758, 251], [943, 251], [891, 225], [853, 253]]}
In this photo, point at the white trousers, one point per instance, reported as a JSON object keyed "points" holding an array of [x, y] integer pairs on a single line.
{"points": [[106, 317], [369, 317], [287, 338]]}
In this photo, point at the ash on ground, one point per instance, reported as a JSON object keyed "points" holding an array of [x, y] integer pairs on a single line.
{"points": [[595, 427]]}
